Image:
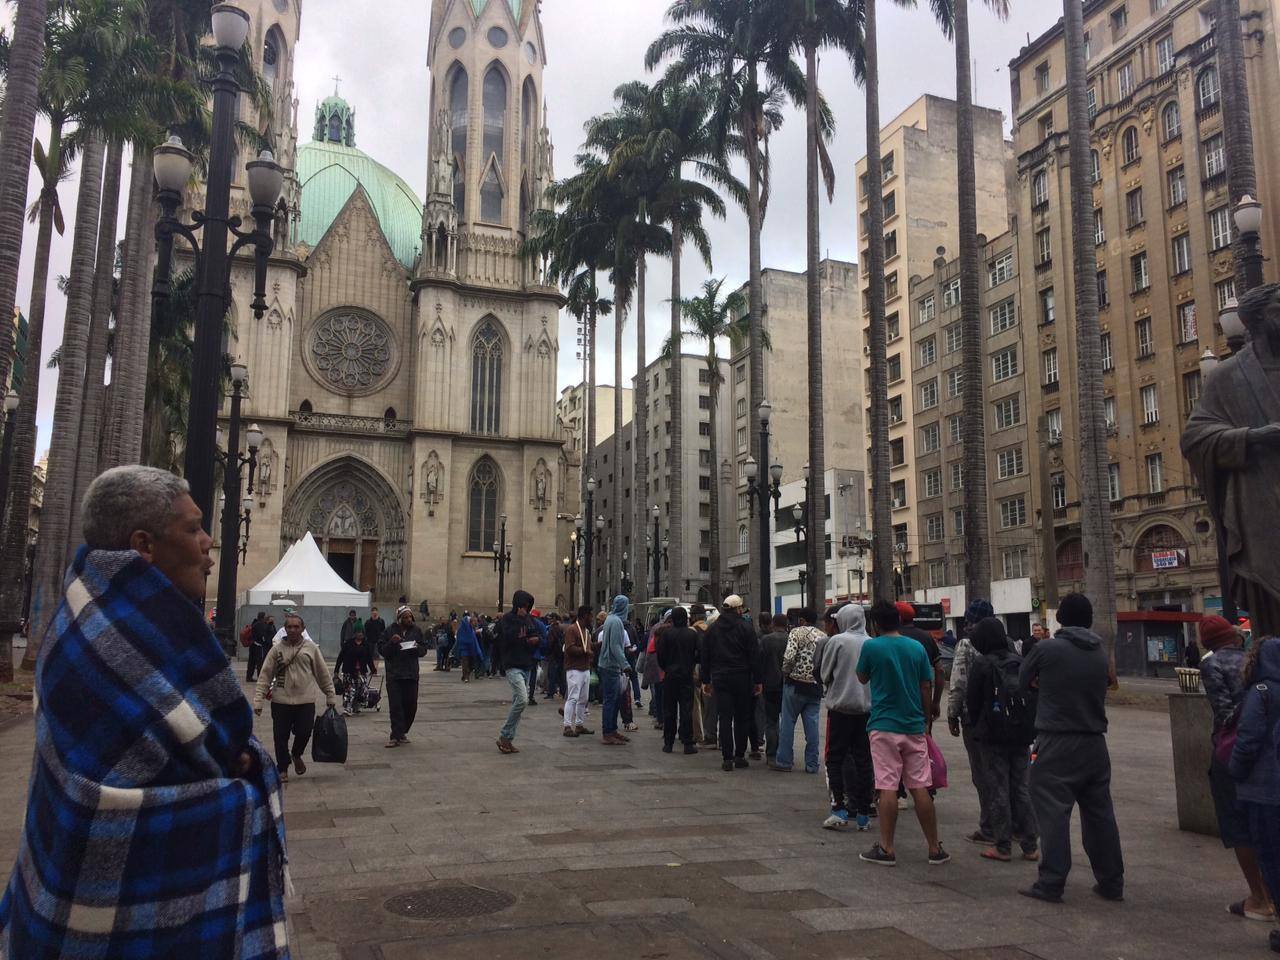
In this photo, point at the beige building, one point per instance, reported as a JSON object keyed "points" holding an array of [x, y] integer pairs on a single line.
{"points": [[918, 151], [571, 409], [1163, 230], [785, 319]]}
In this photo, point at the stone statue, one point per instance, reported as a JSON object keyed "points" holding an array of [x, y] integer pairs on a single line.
{"points": [[1232, 442], [442, 164], [541, 478], [266, 467], [432, 474]]}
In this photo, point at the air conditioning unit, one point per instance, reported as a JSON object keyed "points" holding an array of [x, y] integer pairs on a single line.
{"points": [[899, 504]]}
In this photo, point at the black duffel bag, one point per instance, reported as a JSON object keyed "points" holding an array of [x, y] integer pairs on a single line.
{"points": [[329, 738]]}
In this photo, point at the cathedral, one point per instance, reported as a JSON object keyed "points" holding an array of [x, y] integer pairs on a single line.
{"points": [[404, 374]]}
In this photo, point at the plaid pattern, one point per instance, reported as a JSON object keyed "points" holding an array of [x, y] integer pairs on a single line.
{"points": [[139, 841]]}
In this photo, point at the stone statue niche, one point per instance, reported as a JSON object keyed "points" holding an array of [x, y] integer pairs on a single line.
{"points": [[1232, 441], [432, 482], [540, 485]]}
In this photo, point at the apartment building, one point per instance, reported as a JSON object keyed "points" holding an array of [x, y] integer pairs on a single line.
{"points": [[1163, 230], [933, 565], [784, 317], [918, 151], [689, 577], [571, 410], [846, 513]]}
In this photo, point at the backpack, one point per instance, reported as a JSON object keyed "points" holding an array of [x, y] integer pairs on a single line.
{"points": [[246, 635], [1010, 716]]}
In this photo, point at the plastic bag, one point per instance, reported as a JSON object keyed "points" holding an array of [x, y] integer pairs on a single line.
{"points": [[937, 765], [329, 738]]}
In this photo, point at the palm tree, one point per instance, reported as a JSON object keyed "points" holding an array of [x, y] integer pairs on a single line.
{"points": [[734, 46], [1095, 503]]}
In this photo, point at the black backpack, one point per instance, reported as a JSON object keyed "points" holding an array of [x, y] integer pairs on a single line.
{"points": [[1011, 713]]}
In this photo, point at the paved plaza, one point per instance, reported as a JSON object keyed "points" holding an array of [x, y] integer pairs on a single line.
{"points": [[572, 850]]}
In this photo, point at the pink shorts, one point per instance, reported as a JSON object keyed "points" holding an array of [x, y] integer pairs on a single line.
{"points": [[900, 757]]}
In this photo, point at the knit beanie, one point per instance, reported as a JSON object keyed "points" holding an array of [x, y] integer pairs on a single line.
{"points": [[1216, 631]]}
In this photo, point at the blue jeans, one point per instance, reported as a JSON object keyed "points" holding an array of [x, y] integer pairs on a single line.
{"points": [[610, 689], [519, 700], [806, 708]]}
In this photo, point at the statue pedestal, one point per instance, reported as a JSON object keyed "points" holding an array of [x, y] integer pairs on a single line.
{"points": [[1190, 723]]}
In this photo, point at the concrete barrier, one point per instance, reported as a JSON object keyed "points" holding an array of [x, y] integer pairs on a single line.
{"points": [[1190, 725]]}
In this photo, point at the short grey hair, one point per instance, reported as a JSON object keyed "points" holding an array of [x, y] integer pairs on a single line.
{"points": [[129, 498]]}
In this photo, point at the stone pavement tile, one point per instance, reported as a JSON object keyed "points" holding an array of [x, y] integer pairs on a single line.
{"points": [[621, 861], [471, 871], [639, 907], [992, 953], [300, 869], [586, 942], [876, 943], [770, 883]]}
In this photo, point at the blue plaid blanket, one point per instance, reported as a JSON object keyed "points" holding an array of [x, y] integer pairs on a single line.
{"points": [[140, 840]]}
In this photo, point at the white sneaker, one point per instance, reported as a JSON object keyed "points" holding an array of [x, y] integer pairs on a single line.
{"points": [[838, 820]]}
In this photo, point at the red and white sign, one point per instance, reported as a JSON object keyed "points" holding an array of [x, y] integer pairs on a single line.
{"points": [[1164, 559]]}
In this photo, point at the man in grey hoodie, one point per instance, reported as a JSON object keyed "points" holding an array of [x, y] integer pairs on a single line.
{"points": [[613, 660], [1072, 767], [850, 777]]}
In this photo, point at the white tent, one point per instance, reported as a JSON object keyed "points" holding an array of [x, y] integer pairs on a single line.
{"points": [[305, 574]]}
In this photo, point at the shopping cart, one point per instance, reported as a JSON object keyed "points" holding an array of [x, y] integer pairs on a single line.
{"points": [[373, 693]]}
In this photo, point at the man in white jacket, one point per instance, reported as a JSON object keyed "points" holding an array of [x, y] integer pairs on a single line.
{"points": [[850, 777]]}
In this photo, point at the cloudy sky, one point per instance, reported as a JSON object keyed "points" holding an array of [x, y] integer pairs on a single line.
{"points": [[592, 46]]}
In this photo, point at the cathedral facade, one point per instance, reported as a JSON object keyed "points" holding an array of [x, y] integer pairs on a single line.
{"points": [[404, 374]]}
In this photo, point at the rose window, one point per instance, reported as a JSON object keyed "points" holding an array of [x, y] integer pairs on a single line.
{"points": [[351, 352]]}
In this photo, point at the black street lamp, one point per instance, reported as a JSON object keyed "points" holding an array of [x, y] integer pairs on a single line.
{"points": [[904, 567], [502, 561], [6, 451], [573, 563], [588, 531], [627, 585], [233, 462], [1248, 218], [804, 578], [656, 551], [760, 491], [173, 165]]}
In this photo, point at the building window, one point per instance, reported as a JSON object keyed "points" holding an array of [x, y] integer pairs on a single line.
{"points": [[1095, 167], [1013, 513], [1207, 89], [957, 523], [1108, 359], [895, 368], [482, 506], [951, 293], [933, 483], [1053, 419], [742, 406], [1008, 412], [937, 573], [1188, 329], [495, 125], [1003, 316], [742, 438], [1109, 412], [486, 380], [1099, 229], [897, 453], [1039, 190], [898, 492], [955, 428], [1129, 145], [1225, 291], [928, 351], [895, 410], [1141, 276], [1044, 247], [931, 438], [1219, 229], [1091, 101], [739, 374], [1177, 181], [1047, 312], [1181, 254], [1190, 391], [891, 244], [886, 167], [704, 430], [1145, 338], [1104, 294], [1050, 366], [1004, 364], [892, 328], [1119, 21], [1164, 54], [1215, 157], [934, 529], [1042, 78], [704, 402], [1009, 463], [1155, 473], [1113, 481], [955, 382], [925, 310], [928, 394], [1058, 489], [1150, 404], [952, 337], [1014, 563], [891, 286], [1000, 270], [460, 115], [704, 483], [1133, 207], [890, 205], [1170, 121], [957, 476]]}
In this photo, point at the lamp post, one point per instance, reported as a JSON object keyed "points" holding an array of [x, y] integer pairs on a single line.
{"points": [[627, 585], [600, 528], [573, 562], [800, 513], [760, 491], [6, 452], [502, 560], [900, 547], [589, 532], [173, 172], [1248, 218], [653, 550], [230, 552]]}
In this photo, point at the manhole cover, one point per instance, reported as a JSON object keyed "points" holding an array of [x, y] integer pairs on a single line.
{"points": [[449, 903]]}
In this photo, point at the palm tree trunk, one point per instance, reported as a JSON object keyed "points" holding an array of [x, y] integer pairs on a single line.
{"points": [[615, 522], [675, 380], [88, 452], [755, 297], [133, 320], [817, 540], [640, 435], [717, 564], [1095, 503], [26, 55], [977, 538], [881, 512], [1237, 123], [589, 457], [55, 516]]}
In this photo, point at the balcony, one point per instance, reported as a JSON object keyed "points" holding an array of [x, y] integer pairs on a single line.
{"points": [[1217, 181], [342, 423]]}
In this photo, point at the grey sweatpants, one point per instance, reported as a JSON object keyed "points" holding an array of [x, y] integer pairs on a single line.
{"points": [[979, 781], [1003, 770], [1075, 769]]}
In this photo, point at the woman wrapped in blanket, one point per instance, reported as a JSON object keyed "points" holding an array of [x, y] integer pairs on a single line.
{"points": [[153, 824]]}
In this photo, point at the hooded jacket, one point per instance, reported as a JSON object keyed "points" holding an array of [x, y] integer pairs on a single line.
{"points": [[1071, 672], [732, 647], [1221, 673], [845, 693], [1255, 763], [613, 637], [518, 634]]}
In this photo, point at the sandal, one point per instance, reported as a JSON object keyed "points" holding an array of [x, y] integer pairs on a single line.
{"points": [[1238, 910], [991, 853]]}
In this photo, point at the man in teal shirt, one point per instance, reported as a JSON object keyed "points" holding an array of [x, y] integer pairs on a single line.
{"points": [[901, 680]]}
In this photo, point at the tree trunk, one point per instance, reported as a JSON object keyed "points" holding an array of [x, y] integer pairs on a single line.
{"points": [[639, 437], [95, 367], [589, 457], [26, 55], [717, 564], [755, 297], [817, 540], [55, 514], [1095, 502], [1237, 123], [123, 443], [881, 512], [614, 565], [675, 380], [977, 534]]}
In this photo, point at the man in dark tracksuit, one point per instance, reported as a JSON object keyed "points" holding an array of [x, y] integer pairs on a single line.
{"points": [[259, 643], [401, 648], [1072, 767], [732, 663]]}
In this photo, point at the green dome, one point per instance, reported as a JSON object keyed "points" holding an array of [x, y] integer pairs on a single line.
{"points": [[478, 6], [329, 174]]}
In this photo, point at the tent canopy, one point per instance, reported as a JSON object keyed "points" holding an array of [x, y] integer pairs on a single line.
{"points": [[304, 572]]}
